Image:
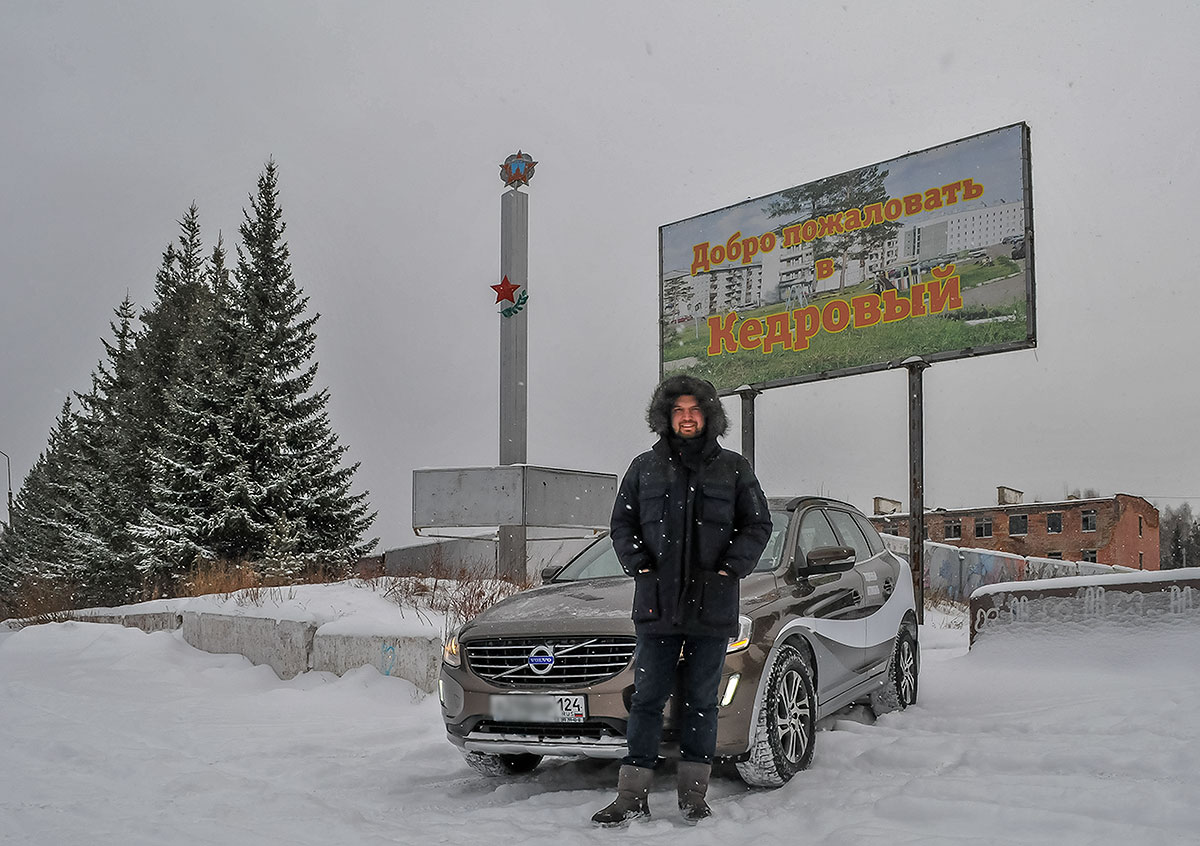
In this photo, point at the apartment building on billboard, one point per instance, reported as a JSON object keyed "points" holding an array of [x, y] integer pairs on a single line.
{"points": [[1121, 529], [979, 227], [733, 287]]}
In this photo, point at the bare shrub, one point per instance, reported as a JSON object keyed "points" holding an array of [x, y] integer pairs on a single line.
{"points": [[457, 591], [957, 612], [222, 576], [242, 582], [41, 600]]}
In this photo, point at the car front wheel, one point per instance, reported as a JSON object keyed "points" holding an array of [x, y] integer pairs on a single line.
{"points": [[786, 723]]}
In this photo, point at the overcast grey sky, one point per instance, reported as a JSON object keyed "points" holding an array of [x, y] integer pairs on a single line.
{"points": [[388, 121]]}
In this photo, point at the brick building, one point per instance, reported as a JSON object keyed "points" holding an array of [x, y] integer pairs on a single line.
{"points": [[1121, 529]]}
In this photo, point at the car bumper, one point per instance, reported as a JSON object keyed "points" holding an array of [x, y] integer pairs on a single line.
{"points": [[466, 711]]}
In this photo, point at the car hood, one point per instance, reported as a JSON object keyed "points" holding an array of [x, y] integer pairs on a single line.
{"points": [[590, 606]]}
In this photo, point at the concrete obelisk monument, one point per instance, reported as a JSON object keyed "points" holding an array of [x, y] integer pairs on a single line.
{"points": [[513, 290], [513, 495]]}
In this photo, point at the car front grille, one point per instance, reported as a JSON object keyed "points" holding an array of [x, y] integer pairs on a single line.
{"points": [[577, 662]]}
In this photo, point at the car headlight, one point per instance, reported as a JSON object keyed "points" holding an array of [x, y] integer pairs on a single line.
{"points": [[742, 640], [451, 652]]}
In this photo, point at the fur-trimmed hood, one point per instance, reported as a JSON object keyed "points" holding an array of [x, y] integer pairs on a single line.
{"points": [[658, 415]]}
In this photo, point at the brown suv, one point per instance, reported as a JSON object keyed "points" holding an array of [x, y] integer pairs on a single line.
{"points": [[827, 620]]}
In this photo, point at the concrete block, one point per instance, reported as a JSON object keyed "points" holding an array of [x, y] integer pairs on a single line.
{"points": [[159, 621], [88, 617], [417, 659], [156, 621], [283, 645]]}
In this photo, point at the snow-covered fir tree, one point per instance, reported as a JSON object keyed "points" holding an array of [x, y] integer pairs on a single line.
{"points": [[38, 552], [187, 474], [288, 499], [247, 467], [110, 469], [202, 438]]}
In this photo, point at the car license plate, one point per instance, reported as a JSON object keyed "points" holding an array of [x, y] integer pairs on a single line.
{"points": [[539, 708]]}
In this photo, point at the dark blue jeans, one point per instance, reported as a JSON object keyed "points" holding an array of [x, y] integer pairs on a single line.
{"points": [[656, 668]]}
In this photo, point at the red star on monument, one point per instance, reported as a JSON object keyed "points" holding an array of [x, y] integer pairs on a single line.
{"points": [[505, 291]]}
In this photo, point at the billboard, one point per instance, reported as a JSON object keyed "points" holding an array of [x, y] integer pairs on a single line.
{"points": [[929, 254]]}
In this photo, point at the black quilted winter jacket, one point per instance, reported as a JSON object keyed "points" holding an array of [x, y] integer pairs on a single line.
{"points": [[682, 526]]}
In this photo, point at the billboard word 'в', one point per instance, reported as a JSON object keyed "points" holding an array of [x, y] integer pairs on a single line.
{"points": [[926, 255]]}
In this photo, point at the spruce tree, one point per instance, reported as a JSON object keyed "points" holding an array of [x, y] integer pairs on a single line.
{"points": [[289, 499], [245, 466], [111, 462], [174, 531], [38, 554], [201, 438]]}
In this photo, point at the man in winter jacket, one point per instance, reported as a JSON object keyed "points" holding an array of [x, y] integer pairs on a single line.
{"points": [[689, 521]]}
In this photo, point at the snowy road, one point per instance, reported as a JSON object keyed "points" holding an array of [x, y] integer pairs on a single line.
{"points": [[112, 736]]}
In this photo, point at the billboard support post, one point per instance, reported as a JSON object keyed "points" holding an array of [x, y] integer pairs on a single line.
{"points": [[514, 266], [916, 466], [748, 394]]}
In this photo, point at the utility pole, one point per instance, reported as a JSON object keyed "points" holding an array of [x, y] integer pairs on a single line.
{"points": [[8, 461], [916, 468]]}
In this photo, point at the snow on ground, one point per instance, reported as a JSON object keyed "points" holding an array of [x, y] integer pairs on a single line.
{"points": [[1065, 735]]}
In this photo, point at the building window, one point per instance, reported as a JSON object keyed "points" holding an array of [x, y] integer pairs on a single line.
{"points": [[1089, 555], [1054, 524], [983, 527], [1141, 558], [1088, 517], [1018, 524], [1056, 555], [1139, 528], [953, 529]]}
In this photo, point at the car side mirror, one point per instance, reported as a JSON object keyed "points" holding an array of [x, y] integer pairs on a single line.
{"points": [[829, 559], [548, 573]]}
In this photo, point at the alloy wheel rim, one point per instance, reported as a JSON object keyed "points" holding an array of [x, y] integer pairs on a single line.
{"points": [[792, 716], [908, 671]]}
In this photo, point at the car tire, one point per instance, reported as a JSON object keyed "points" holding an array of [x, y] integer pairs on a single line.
{"points": [[494, 766], [785, 726], [903, 672]]}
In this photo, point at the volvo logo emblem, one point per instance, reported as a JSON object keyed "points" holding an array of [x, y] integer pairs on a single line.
{"points": [[541, 660]]}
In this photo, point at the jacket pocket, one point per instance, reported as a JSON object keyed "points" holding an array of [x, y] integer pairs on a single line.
{"points": [[652, 504], [719, 603], [718, 504], [646, 606]]}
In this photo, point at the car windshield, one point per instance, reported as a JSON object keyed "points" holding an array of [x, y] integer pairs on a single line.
{"points": [[600, 560]]}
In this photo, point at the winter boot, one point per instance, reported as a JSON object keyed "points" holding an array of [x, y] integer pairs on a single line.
{"points": [[693, 785], [633, 786]]}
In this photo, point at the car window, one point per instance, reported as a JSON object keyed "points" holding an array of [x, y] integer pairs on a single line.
{"points": [[597, 561], [770, 557], [851, 533], [873, 539], [815, 532]]}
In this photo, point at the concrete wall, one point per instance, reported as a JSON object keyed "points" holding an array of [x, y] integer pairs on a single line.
{"points": [[416, 659], [956, 571], [289, 647], [158, 621], [283, 645], [1130, 597]]}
